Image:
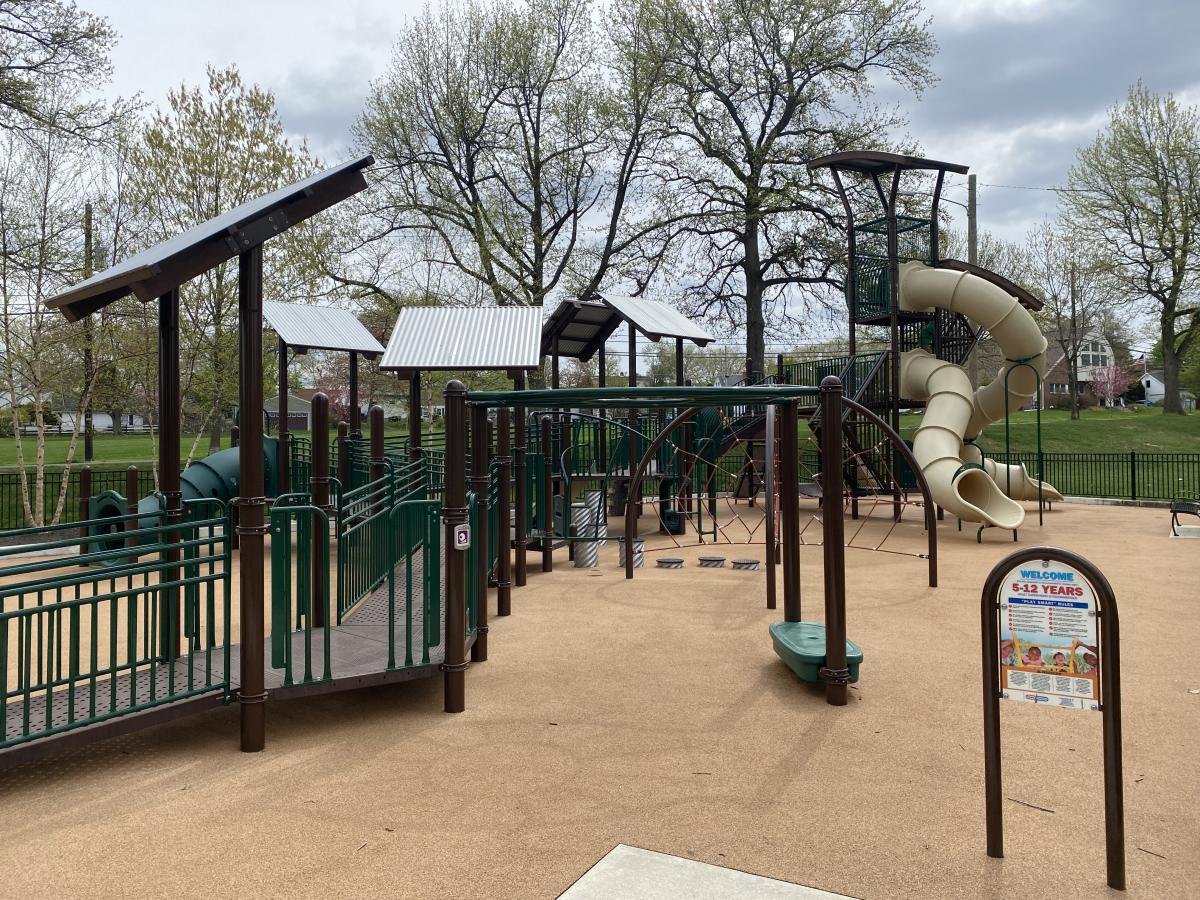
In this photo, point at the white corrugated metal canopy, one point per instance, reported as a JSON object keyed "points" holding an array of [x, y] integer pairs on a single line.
{"points": [[319, 327], [465, 337]]}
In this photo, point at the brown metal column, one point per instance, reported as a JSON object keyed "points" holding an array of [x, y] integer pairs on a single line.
{"points": [[251, 528], [789, 510], [454, 512], [414, 415], [355, 408], [603, 413], [168, 460], [480, 455], [320, 499], [632, 442], [547, 494], [504, 513], [835, 673], [521, 475], [679, 362], [285, 461], [893, 244]]}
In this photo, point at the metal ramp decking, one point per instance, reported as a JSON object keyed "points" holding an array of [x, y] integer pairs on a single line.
{"points": [[358, 659]]}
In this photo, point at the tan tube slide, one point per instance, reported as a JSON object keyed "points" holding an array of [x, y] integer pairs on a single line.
{"points": [[955, 412]]}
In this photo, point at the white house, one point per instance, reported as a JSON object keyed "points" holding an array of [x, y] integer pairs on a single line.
{"points": [[1156, 388], [102, 422]]}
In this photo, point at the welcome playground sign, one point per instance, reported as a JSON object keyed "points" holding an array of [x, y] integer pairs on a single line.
{"points": [[1048, 637]]}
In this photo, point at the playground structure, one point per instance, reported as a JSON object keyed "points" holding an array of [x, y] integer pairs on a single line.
{"points": [[897, 279], [382, 550]]}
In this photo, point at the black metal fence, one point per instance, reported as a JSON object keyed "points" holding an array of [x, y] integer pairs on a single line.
{"points": [[1116, 476], [1120, 476], [12, 507]]}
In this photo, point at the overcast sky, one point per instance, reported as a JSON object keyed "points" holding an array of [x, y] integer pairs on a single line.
{"points": [[1022, 83]]}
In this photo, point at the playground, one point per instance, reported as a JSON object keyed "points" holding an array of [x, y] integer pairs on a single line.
{"points": [[652, 712], [656, 618]]}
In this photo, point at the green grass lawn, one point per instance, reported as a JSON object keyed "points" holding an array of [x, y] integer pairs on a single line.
{"points": [[1096, 431], [118, 450]]}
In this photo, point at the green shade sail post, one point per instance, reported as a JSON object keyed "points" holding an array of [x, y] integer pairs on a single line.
{"points": [[504, 514]]}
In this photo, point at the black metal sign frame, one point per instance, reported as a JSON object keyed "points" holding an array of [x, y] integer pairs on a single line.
{"points": [[1109, 662]]}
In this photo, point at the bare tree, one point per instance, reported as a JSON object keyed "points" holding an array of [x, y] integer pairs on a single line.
{"points": [[757, 89], [1075, 293], [40, 217], [516, 133]]}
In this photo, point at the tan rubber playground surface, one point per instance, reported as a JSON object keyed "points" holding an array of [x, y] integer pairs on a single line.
{"points": [[654, 713]]}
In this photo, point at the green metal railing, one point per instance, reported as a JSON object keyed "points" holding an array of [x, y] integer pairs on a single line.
{"points": [[101, 631], [12, 507], [365, 554], [294, 594], [299, 461], [416, 527]]}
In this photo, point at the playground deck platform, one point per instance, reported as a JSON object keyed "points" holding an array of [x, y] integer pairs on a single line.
{"points": [[358, 659]]}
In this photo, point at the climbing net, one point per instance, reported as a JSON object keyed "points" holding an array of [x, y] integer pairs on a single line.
{"points": [[705, 489]]}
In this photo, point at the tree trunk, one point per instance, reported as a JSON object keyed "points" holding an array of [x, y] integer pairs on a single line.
{"points": [[214, 431], [756, 352], [1172, 402]]}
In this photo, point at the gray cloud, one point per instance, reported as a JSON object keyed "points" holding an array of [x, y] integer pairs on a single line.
{"points": [[1021, 90]]}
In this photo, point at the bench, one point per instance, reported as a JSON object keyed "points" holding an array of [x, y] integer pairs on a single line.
{"points": [[1185, 505]]}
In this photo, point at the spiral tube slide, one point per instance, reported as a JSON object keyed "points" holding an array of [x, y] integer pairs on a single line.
{"points": [[923, 288], [1014, 480], [966, 491]]}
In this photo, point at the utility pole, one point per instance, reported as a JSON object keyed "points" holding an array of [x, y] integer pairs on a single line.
{"points": [[89, 376], [973, 259], [972, 231]]}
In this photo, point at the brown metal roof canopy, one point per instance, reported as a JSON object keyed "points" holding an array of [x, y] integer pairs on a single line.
{"points": [[161, 268], [581, 327], [158, 273], [876, 162]]}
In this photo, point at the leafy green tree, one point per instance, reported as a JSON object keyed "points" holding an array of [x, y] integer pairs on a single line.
{"points": [[53, 48], [209, 150], [1134, 196]]}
